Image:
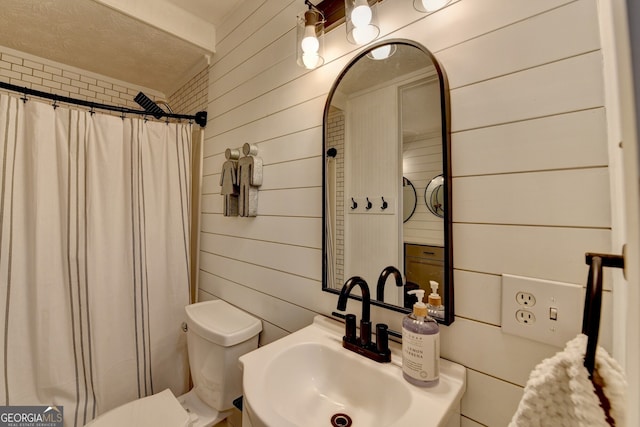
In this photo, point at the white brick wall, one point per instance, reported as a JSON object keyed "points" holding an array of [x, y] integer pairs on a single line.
{"points": [[22, 69], [26, 70], [335, 138], [192, 97]]}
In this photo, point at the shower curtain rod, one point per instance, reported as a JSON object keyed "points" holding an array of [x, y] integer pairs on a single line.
{"points": [[200, 117]]}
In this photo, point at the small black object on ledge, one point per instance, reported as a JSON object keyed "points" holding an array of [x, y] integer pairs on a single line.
{"points": [[238, 403]]}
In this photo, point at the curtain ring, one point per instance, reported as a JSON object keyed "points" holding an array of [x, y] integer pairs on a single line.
{"points": [[24, 97], [55, 102]]}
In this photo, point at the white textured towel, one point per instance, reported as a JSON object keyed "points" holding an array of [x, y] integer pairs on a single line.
{"points": [[559, 392]]}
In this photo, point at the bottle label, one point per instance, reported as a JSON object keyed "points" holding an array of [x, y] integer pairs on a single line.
{"points": [[421, 355]]}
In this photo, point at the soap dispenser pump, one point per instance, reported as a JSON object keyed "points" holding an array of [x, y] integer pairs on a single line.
{"points": [[420, 345], [434, 306]]}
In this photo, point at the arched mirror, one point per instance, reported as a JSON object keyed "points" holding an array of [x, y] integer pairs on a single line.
{"points": [[386, 135]]}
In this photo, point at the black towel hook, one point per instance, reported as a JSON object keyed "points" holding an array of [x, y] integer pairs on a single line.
{"points": [[369, 204], [385, 205], [354, 204]]}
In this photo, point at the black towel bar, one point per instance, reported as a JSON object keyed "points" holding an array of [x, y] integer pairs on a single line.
{"points": [[593, 301], [591, 318]]}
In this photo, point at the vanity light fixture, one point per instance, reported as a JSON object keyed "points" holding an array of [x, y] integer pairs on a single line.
{"points": [[362, 22], [428, 6], [309, 39]]}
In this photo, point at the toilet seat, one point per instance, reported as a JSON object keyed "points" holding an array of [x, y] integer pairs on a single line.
{"points": [[161, 409]]}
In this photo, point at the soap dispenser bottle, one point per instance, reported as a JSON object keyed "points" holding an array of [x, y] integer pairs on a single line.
{"points": [[420, 345], [434, 306]]}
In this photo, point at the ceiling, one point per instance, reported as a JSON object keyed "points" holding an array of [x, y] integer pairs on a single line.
{"points": [[213, 11], [117, 38]]}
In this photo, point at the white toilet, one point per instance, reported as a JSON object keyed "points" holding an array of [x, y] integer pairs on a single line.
{"points": [[218, 334]]}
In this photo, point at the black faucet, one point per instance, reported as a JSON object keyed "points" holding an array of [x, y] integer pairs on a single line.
{"points": [[390, 270], [379, 351]]}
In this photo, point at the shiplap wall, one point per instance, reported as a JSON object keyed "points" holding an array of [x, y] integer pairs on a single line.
{"points": [[530, 186]]}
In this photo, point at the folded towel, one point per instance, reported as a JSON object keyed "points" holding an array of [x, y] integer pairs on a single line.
{"points": [[560, 393]]}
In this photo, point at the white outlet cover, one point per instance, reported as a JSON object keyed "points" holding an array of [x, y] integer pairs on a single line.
{"points": [[565, 297]]}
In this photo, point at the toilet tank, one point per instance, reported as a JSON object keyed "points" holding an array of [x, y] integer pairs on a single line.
{"points": [[217, 335]]}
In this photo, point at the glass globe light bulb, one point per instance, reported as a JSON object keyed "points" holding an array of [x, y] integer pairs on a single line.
{"points": [[361, 14], [310, 43], [362, 35], [310, 60], [433, 5], [382, 52]]}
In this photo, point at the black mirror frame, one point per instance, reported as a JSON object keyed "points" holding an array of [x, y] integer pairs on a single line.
{"points": [[445, 108], [405, 182]]}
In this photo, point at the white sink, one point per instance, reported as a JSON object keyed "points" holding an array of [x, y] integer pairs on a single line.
{"points": [[306, 378]]}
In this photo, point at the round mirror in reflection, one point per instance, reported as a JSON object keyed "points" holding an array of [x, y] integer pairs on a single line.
{"points": [[409, 199], [434, 196]]}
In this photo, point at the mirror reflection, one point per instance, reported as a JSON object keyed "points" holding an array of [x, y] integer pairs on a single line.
{"points": [[434, 196], [409, 199], [385, 138]]}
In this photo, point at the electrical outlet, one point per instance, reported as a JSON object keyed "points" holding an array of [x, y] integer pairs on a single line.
{"points": [[525, 316], [525, 298], [541, 310]]}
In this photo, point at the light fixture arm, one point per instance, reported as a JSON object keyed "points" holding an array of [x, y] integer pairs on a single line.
{"points": [[313, 7]]}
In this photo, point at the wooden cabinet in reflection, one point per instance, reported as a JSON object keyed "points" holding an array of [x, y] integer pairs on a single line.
{"points": [[422, 263]]}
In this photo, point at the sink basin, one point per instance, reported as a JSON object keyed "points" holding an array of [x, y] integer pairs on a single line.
{"points": [[307, 378], [323, 382]]}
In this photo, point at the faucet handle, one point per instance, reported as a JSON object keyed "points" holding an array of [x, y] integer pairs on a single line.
{"points": [[382, 338], [350, 328], [365, 333]]}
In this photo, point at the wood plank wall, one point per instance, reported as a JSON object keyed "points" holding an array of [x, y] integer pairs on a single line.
{"points": [[531, 178]]}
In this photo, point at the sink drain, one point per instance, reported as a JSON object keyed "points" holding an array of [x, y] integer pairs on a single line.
{"points": [[341, 420]]}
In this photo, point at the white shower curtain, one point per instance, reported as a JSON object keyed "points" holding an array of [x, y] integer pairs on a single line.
{"points": [[94, 257]]}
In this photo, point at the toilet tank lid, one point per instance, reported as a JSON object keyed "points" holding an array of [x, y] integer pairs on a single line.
{"points": [[221, 323]]}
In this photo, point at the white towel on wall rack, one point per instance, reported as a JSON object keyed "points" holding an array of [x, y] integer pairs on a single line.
{"points": [[559, 391]]}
